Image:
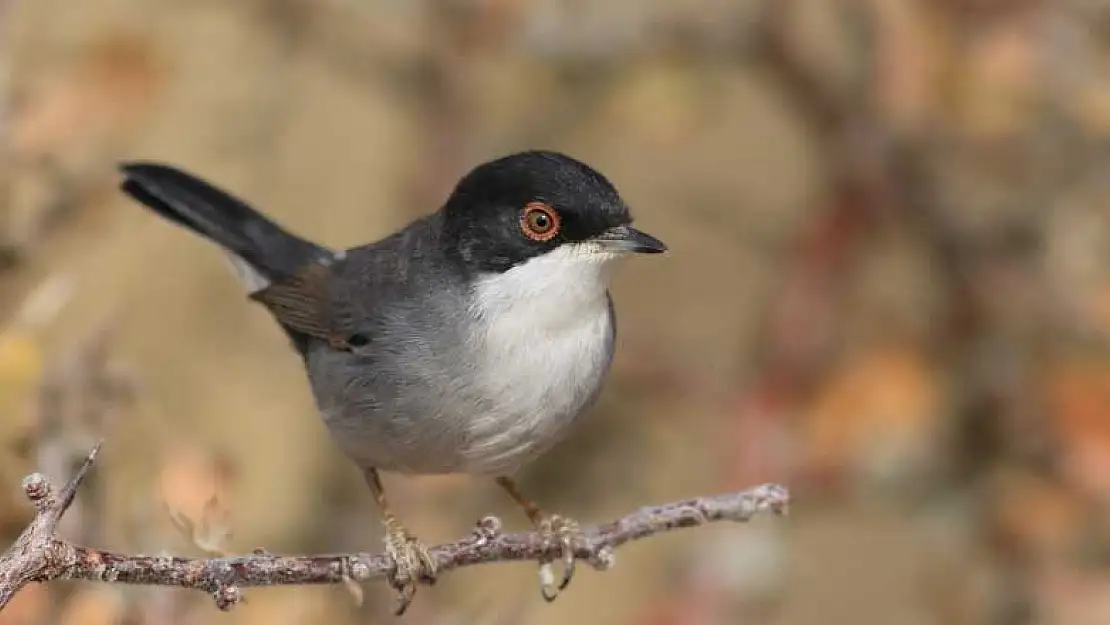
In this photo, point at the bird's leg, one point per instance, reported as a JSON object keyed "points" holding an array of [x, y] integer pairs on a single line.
{"points": [[411, 561], [555, 529]]}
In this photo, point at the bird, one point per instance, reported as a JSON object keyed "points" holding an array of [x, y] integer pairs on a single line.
{"points": [[469, 341]]}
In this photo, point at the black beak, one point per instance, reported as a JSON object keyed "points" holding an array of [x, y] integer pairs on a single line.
{"points": [[629, 239]]}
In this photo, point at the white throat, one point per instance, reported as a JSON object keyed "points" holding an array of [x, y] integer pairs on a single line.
{"points": [[543, 339], [549, 293]]}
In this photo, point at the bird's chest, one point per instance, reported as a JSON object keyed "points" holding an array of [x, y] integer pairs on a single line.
{"points": [[540, 362]]}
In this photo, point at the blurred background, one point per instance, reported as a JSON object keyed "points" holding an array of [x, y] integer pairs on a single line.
{"points": [[888, 288]]}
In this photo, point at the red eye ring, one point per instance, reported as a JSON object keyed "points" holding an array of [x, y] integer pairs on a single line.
{"points": [[539, 222]]}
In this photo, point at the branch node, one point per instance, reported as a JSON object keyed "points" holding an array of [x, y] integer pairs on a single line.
{"points": [[768, 497], [486, 529], [775, 498], [603, 559], [357, 570], [227, 596], [38, 490]]}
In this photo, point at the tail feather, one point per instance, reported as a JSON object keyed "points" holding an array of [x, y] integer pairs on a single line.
{"points": [[251, 238]]}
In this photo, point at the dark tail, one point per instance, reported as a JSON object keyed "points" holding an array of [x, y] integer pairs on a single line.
{"points": [[217, 215]]}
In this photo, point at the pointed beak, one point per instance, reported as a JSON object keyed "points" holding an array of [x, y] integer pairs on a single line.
{"points": [[629, 239]]}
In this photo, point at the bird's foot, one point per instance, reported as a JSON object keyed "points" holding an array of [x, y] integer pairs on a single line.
{"points": [[564, 532], [412, 564]]}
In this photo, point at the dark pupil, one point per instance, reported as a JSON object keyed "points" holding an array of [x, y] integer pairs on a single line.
{"points": [[540, 221]]}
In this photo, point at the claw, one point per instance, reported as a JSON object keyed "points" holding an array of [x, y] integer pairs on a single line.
{"points": [[547, 583], [412, 564], [568, 566], [570, 538], [405, 595]]}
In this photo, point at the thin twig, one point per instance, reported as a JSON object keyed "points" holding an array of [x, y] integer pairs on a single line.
{"points": [[40, 556], [32, 556]]}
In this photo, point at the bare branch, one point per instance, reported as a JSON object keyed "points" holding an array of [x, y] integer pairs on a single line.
{"points": [[32, 557], [40, 556]]}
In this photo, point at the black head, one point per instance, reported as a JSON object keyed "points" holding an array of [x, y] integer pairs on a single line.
{"points": [[518, 207]]}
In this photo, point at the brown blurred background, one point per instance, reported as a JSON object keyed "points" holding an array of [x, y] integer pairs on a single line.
{"points": [[889, 289]]}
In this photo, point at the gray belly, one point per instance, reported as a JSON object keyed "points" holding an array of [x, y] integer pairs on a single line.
{"points": [[475, 405]]}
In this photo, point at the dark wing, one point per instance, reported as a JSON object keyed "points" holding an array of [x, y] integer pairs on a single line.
{"points": [[348, 298], [305, 304]]}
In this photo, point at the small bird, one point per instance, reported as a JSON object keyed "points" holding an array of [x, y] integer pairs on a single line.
{"points": [[467, 342]]}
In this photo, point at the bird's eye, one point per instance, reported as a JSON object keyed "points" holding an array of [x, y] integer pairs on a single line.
{"points": [[539, 221]]}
